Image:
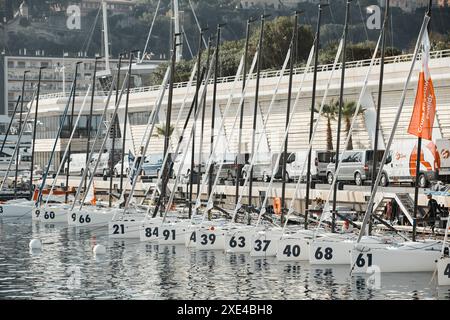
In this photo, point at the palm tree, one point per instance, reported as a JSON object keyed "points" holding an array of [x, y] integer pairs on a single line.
{"points": [[348, 111], [161, 130], [329, 111]]}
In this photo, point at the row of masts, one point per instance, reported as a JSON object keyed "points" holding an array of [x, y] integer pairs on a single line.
{"points": [[163, 202]]}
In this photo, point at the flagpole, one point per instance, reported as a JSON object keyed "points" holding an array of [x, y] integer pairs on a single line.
{"points": [[419, 151]]}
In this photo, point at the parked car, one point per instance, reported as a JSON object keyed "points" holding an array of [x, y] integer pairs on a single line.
{"points": [[150, 168], [262, 167], [321, 162], [294, 166], [356, 166], [118, 168]]}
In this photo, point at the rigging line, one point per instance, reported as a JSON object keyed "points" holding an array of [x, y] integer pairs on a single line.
{"points": [[326, 210], [392, 32], [89, 37], [66, 151], [192, 131], [144, 144], [187, 42], [316, 126], [261, 136], [222, 127], [17, 147], [331, 13], [150, 31], [172, 138], [392, 133], [364, 24], [110, 124], [198, 24]]}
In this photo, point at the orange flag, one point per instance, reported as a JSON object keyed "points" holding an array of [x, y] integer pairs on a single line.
{"points": [[422, 119]]}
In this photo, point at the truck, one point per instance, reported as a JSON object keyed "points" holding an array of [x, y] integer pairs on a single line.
{"points": [[400, 166]]}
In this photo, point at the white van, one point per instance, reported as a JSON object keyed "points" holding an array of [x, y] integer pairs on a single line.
{"points": [[103, 166], [262, 167], [443, 148], [77, 164], [401, 163], [294, 166]]}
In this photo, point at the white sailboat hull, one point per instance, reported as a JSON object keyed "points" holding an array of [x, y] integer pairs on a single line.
{"points": [[90, 217], [239, 239], [293, 248], [17, 208], [125, 229], [396, 259], [54, 214], [173, 233], [443, 268], [210, 238], [265, 243]]}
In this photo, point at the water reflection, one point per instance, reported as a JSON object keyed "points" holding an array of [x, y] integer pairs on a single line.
{"points": [[66, 268]]}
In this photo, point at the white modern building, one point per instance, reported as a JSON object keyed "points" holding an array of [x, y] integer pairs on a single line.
{"points": [[142, 100]]}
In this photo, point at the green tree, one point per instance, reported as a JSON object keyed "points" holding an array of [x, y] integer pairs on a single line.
{"points": [[348, 111], [329, 112], [161, 130], [277, 38]]}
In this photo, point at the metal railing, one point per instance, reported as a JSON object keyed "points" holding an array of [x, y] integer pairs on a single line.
{"points": [[276, 73]]}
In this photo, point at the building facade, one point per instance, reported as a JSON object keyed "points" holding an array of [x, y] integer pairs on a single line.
{"points": [[57, 77], [142, 100], [114, 6]]}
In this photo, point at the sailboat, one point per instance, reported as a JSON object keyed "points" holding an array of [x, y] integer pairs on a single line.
{"points": [[410, 256]]}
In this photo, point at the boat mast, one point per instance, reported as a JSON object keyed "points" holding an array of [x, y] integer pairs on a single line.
{"points": [[341, 104], [288, 108], [70, 130], [89, 120], [105, 35], [419, 151], [124, 133], [34, 131], [380, 94], [208, 56], [165, 179], [213, 107], [199, 82], [255, 109], [10, 123], [176, 13], [114, 130], [239, 159], [313, 103], [20, 127]]}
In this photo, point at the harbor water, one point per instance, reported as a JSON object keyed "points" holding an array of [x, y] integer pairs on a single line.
{"points": [[66, 268]]}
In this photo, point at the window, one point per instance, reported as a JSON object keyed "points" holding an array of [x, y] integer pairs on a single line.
{"points": [[351, 157]]}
